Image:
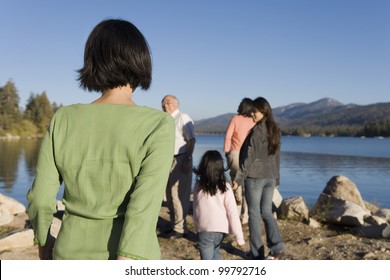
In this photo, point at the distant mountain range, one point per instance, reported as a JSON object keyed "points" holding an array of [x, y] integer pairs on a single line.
{"points": [[325, 116]]}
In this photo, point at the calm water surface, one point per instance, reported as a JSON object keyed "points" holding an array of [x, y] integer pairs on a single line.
{"points": [[307, 164]]}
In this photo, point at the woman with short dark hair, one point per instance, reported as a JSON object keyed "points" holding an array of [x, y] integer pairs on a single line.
{"points": [[112, 156], [116, 54]]}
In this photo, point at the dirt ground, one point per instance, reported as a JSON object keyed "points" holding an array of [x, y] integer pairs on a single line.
{"points": [[301, 241]]}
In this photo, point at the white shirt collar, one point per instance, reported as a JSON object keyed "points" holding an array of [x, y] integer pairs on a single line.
{"points": [[175, 113]]}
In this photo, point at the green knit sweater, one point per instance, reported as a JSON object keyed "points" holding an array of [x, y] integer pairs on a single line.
{"points": [[114, 161]]}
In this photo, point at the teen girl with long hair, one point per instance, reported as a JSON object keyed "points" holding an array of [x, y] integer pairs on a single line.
{"points": [[259, 171]]}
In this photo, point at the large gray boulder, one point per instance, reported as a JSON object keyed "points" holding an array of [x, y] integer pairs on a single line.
{"points": [[13, 205], [342, 188], [5, 215], [9, 207], [340, 203], [329, 209]]}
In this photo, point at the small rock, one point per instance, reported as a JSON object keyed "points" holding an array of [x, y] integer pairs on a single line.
{"points": [[369, 256], [375, 220], [372, 231], [313, 223], [386, 232], [19, 239], [384, 213], [313, 240], [295, 209], [277, 198]]}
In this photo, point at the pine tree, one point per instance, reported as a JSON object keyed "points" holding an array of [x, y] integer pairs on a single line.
{"points": [[55, 107], [39, 111], [9, 107]]}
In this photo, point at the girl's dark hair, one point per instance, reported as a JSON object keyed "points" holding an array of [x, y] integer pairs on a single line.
{"points": [[211, 173], [116, 54], [273, 131], [245, 108]]}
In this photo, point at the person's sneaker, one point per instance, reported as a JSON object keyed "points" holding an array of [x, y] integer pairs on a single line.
{"points": [[250, 256], [176, 235], [276, 256], [165, 232]]}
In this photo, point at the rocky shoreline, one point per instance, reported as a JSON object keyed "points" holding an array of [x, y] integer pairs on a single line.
{"points": [[339, 226]]}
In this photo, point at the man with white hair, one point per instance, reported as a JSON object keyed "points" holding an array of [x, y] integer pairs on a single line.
{"points": [[180, 179]]}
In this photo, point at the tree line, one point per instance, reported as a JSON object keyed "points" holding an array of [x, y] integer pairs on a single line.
{"points": [[34, 120], [369, 129], [29, 122]]}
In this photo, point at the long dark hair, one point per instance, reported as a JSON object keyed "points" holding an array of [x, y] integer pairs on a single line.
{"points": [[211, 173], [273, 132]]}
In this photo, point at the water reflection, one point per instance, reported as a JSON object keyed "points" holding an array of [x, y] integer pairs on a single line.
{"points": [[302, 174], [9, 158], [17, 167], [31, 150], [307, 174]]}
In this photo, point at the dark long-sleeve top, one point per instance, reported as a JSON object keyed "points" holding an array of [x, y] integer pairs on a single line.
{"points": [[255, 162]]}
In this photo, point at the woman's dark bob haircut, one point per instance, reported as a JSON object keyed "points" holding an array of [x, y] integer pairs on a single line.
{"points": [[116, 54]]}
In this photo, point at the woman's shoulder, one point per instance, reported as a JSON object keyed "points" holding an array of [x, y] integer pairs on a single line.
{"points": [[259, 127], [70, 109], [260, 132], [63, 110], [154, 112], [101, 108], [236, 118], [145, 117]]}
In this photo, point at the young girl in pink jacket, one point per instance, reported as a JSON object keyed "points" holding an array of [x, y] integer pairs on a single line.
{"points": [[215, 209]]}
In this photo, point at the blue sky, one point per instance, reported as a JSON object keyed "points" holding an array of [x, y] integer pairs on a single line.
{"points": [[209, 53]]}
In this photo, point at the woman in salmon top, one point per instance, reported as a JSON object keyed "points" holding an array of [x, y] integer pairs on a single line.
{"points": [[236, 132]]}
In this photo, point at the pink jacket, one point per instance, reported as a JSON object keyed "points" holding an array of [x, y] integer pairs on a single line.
{"points": [[217, 213], [236, 132]]}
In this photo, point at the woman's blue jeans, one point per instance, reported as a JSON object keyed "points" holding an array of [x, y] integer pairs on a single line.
{"points": [[259, 194], [209, 245]]}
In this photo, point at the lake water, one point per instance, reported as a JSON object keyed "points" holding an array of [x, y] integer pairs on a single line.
{"points": [[307, 164]]}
